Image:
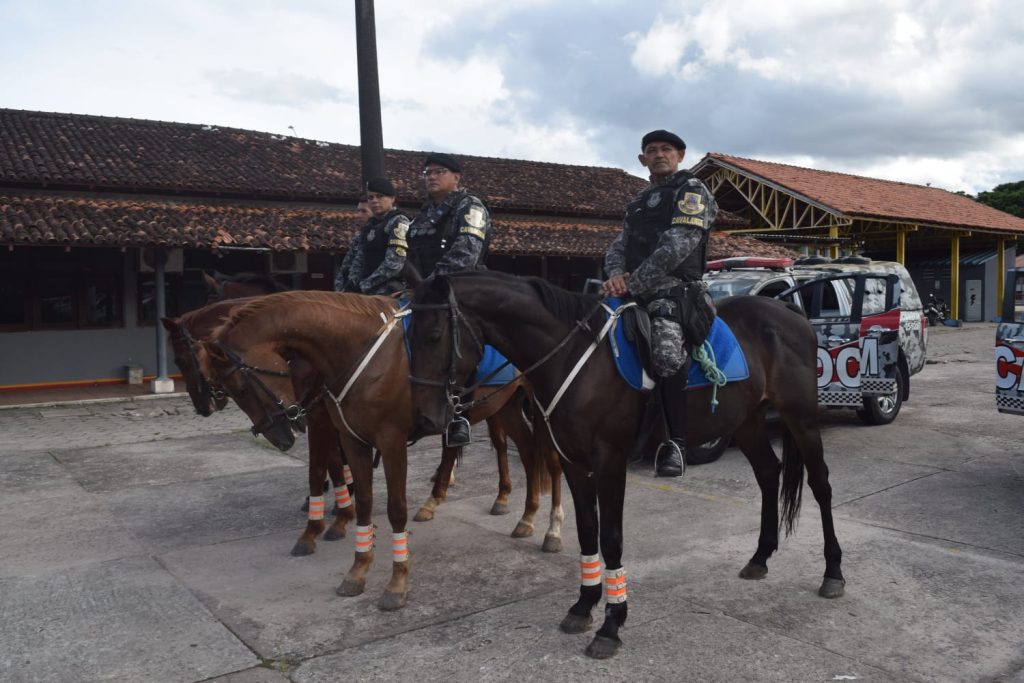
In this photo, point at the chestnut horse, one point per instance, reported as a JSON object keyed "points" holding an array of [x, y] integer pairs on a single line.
{"points": [[545, 331], [249, 357]]}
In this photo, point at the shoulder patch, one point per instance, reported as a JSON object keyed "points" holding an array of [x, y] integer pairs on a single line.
{"points": [[401, 229], [475, 217], [691, 204], [475, 232]]}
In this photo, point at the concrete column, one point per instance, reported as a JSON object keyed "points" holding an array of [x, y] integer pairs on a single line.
{"points": [[954, 282], [162, 384], [833, 251]]}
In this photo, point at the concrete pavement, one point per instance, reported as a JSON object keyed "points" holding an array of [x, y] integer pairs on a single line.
{"points": [[142, 542]]}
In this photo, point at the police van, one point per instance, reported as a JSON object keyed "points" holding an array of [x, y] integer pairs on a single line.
{"points": [[1010, 346]]}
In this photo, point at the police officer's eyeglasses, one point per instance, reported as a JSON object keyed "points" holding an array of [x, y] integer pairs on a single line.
{"points": [[428, 172]]}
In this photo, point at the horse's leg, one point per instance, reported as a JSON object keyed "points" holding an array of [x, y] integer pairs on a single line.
{"points": [[393, 451], [802, 439], [441, 481], [339, 472], [584, 500], [610, 497], [553, 538], [360, 461], [499, 439], [752, 438], [318, 457]]}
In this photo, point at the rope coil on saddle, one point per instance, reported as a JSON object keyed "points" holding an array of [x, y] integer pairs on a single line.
{"points": [[705, 355]]}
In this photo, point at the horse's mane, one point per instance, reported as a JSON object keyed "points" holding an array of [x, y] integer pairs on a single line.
{"points": [[334, 302], [259, 279], [568, 307]]}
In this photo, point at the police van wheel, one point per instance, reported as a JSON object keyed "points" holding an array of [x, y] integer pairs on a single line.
{"points": [[881, 410], [709, 451]]}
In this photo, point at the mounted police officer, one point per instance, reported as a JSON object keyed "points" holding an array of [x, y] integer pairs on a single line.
{"points": [[363, 214], [380, 249], [659, 258], [451, 233], [453, 229]]}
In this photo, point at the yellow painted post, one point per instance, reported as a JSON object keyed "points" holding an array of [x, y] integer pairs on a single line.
{"points": [[1000, 274], [833, 233], [954, 282], [901, 246]]}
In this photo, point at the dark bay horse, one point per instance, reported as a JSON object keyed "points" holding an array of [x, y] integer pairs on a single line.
{"points": [[250, 356], [595, 420]]}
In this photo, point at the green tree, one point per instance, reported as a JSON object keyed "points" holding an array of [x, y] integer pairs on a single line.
{"points": [[1008, 197]]}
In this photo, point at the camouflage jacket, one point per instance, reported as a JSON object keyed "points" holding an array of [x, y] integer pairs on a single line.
{"points": [[394, 230]]}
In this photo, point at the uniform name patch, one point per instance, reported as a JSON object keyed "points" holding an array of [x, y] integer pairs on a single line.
{"points": [[475, 232], [691, 204], [688, 220]]}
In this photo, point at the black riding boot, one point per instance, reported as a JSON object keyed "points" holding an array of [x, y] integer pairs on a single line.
{"points": [[457, 433], [670, 460]]}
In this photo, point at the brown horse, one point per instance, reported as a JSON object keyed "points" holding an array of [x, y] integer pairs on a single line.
{"points": [[250, 355], [325, 456], [541, 329]]}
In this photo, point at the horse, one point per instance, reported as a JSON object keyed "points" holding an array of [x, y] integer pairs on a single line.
{"points": [[325, 456], [592, 421], [220, 287], [249, 356]]}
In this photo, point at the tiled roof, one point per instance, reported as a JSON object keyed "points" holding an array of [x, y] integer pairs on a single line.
{"points": [[71, 151], [857, 196], [43, 219]]}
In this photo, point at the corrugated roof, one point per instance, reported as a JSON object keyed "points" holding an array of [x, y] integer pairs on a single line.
{"points": [[858, 196]]}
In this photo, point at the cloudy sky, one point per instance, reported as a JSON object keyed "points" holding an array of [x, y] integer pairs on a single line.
{"points": [[923, 91]]}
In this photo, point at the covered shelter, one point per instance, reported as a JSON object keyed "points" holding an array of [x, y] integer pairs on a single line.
{"points": [[824, 211]]}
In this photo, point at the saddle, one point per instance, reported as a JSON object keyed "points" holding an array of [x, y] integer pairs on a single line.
{"points": [[636, 325]]}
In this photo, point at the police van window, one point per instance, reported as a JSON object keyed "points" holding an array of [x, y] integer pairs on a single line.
{"points": [[774, 288], [830, 307], [1018, 297], [874, 296]]}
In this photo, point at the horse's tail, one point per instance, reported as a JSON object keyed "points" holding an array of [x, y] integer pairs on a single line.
{"points": [[792, 482], [540, 451]]}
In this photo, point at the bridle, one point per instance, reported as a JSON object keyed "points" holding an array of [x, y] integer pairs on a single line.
{"points": [[206, 387], [295, 413]]}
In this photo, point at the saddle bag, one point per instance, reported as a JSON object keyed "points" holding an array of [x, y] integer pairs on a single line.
{"points": [[694, 310]]}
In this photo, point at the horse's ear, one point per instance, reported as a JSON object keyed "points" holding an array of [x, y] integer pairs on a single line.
{"points": [[212, 351], [411, 276], [212, 286], [170, 324]]}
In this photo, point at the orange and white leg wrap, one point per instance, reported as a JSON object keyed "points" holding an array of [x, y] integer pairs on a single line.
{"points": [[316, 507], [615, 585], [341, 497], [364, 539], [590, 570], [400, 546], [346, 471]]}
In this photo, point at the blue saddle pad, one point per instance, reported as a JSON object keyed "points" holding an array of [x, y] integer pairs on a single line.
{"points": [[727, 354], [488, 364]]}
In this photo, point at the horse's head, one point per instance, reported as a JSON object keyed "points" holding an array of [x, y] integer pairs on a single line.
{"points": [[206, 399], [214, 291], [446, 348], [261, 385]]}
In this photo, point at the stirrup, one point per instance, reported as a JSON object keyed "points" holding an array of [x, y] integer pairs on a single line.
{"points": [[458, 433], [671, 458]]}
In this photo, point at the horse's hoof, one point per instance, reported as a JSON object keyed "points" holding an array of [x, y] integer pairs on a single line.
{"points": [[333, 533], [832, 588], [499, 508], [302, 549], [389, 602], [552, 544], [423, 515], [576, 624], [522, 530], [754, 571], [602, 647], [349, 588]]}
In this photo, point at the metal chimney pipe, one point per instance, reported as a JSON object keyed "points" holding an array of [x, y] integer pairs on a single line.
{"points": [[371, 139]]}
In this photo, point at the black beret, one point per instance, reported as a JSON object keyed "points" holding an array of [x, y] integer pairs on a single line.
{"points": [[662, 136], [442, 159], [380, 186]]}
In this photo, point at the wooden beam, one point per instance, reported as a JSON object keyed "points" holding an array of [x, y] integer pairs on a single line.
{"points": [[833, 251], [954, 280], [901, 247]]}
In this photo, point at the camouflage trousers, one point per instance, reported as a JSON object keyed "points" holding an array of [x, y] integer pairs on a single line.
{"points": [[668, 353]]}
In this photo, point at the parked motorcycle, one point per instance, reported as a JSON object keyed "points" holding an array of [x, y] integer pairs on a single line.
{"points": [[936, 310]]}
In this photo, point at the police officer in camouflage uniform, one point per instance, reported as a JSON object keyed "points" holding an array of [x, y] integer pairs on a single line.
{"points": [[451, 233], [453, 229], [363, 214], [380, 248], [662, 248]]}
